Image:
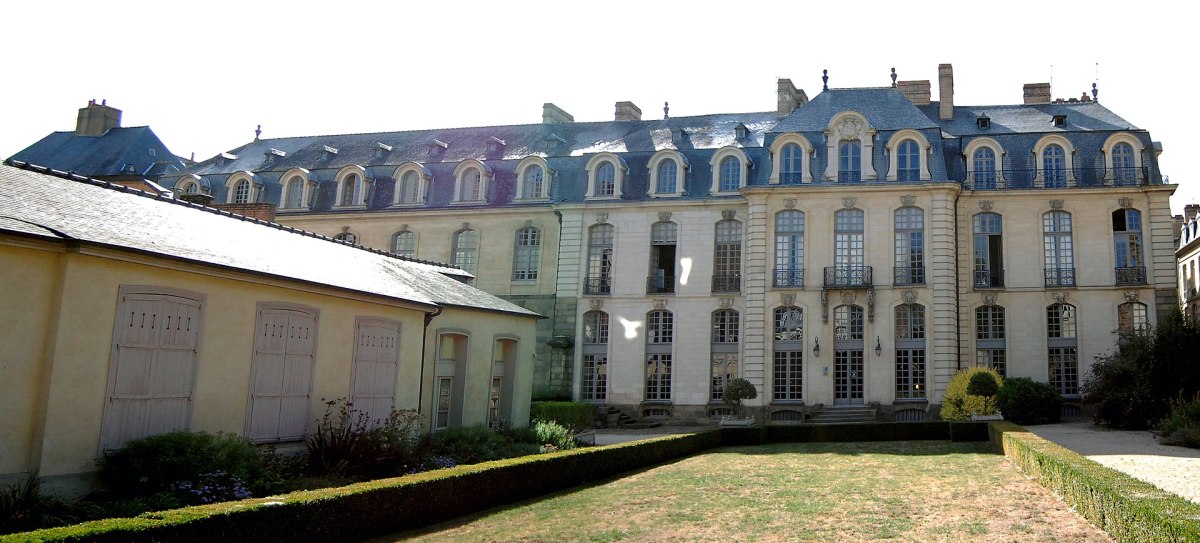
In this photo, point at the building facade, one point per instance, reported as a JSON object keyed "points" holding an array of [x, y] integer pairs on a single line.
{"points": [[856, 248], [1188, 258]]}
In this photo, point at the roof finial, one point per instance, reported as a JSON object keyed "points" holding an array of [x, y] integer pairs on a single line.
{"points": [[257, 132], [893, 78], [666, 110], [1095, 93], [825, 79]]}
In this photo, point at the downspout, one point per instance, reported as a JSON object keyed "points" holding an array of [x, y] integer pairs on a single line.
{"points": [[958, 274], [424, 340]]}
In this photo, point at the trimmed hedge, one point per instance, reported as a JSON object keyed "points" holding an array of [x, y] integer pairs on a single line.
{"points": [[874, 431], [574, 415], [1126, 508]]}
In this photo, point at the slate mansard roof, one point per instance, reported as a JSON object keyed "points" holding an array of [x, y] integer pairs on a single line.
{"points": [[135, 150], [568, 146], [40, 203]]}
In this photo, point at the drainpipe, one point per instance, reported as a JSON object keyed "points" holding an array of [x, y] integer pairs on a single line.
{"points": [[424, 339], [957, 291]]}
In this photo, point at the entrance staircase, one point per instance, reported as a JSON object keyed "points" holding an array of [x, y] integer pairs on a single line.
{"points": [[611, 417], [840, 414]]}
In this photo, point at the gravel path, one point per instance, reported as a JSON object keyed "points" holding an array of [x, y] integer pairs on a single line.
{"points": [[1174, 469]]}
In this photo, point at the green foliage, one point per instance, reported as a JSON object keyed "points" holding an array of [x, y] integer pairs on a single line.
{"points": [[553, 436], [959, 405], [1126, 508], [574, 415], [1134, 385], [1182, 425], [348, 443], [156, 464], [23, 507], [550, 396], [982, 384], [467, 444], [1025, 401]]}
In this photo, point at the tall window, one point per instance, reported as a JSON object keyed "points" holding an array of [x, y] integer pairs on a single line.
{"points": [[409, 188], [789, 249], [663, 240], [660, 336], [1054, 166], [595, 356], [606, 179], [1123, 169], [1127, 246], [910, 246], [241, 192], [668, 171], [1062, 334], [404, 243], [908, 161], [731, 174], [353, 191], [727, 257], [526, 251], [1056, 244], [984, 164], [848, 366], [788, 353], [1131, 317], [850, 162], [989, 255], [466, 250], [472, 186], [725, 323], [600, 260], [295, 193], [848, 257], [989, 338], [534, 184], [910, 352], [791, 164]]}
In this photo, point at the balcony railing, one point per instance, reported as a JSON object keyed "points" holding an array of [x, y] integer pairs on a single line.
{"points": [[1060, 277], [789, 278], [848, 277], [1070, 177], [908, 175], [727, 283], [1131, 276], [849, 177], [660, 284], [791, 178], [597, 285], [912, 275], [989, 278]]}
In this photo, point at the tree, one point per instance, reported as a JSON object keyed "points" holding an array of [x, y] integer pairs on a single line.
{"points": [[737, 390]]}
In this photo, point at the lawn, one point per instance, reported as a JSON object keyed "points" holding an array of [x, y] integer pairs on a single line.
{"points": [[900, 491]]}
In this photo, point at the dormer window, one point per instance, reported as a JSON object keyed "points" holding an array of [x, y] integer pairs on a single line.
{"points": [[741, 131], [382, 149], [242, 188], [353, 187], [606, 173], [411, 180], [983, 122], [1060, 121], [297, 189], [553, 141], [495, 145], [471, 178], [730, 170], [436, 148], [330, 150]]}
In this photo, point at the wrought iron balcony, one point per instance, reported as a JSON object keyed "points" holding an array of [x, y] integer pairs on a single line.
{"points": [[849, 177], [789, 277], [848, 277], [1027, 178], [791, 178], [660, 284], [1131, 276], [984, 180], [912, 275], [727, 283], [989, 278], [598, 285], [908, 175], [1060, 277]]}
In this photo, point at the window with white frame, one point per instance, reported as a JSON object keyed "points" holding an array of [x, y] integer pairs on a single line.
{"points": [[347, 236], [727, 257], [294, 193], [452, 359], [666, 178], [1054, 166], [1063, 355], [352, 190], [526, 254], [466, 250], [533, 182], [600, 260], [500, 394], [1124, 168], [660, 338], [408, 190], [988, 250], [664, 237], [595, 356], [787, 383], [1127, 247], [731, 174], [241, 192], [606, 179], [730, 170], [983, 168], [910, 352], [1132, 317], [470, 185], [850, 162], [726, 330], [908, 161], [791, 164], [1057, 249], [848, 254], [789, 249], [404, 243], [990, 349], [910, 246]]}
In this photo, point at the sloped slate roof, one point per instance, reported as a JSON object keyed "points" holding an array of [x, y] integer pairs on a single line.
{"points": [[885, 109], [1031, 118], [55, 205], [104, 155]]}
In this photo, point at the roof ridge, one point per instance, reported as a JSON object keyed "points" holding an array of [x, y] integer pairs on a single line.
{"points": [[71, 176]]}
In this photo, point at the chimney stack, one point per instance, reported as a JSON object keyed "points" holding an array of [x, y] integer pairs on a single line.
{"points": [[1190, 211], [945, 92], [917, 92], [790, 98], [1037, 93], [96, 119], [626, 111], [552, 114]]}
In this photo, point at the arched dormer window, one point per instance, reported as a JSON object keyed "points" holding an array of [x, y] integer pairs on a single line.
{"points": [[412, 184], [471, 182], [297, 189], [907, 160], [667, 170], [790, 153], [985, 164], [533, 176], [850, 148], [1123, 160], [730, 170], [1055, 160], [192, 184], [353, 187], [242, 188], [606, 175]]}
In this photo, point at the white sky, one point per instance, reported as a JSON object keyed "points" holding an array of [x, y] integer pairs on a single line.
{"points": [[204, 74]]}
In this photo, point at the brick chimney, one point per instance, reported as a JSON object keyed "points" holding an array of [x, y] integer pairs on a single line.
{"points": [[917, 92], [626, 111], [552, 114], [1037, 93], [790, 98], [96, 119], [945, 92]]}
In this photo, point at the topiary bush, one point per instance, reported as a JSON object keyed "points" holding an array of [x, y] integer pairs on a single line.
{"points": [[157, 464], [574, 415], [737, 390], [1025, 401], [959, 405], [982, 384]]}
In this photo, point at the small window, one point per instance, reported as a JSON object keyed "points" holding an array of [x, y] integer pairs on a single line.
{"points": [[731, 174], [1060, 121], [606, 176], [241, 192], [405, 244], [983, 122]]}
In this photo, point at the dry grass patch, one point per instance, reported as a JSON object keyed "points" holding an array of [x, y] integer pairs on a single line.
{"points": [[900, 491]]}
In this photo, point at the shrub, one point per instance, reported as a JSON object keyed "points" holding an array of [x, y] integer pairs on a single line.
{"points": [[467, 444], [152, 465], [347, 442], [574, 415], [23, 507], [982, 384], [959, 405], [1025, 401], [553, 434], [1182, 425], [737, 390]]}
